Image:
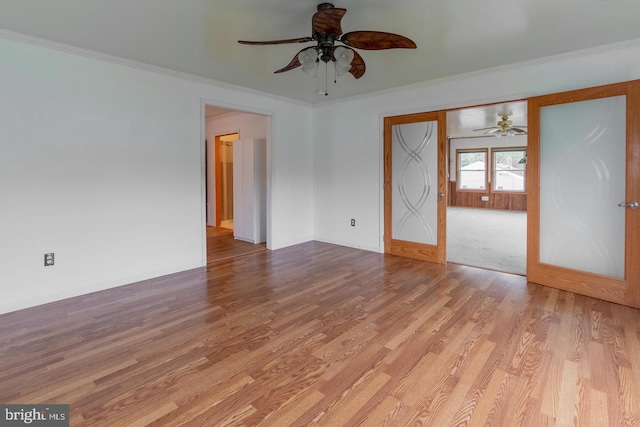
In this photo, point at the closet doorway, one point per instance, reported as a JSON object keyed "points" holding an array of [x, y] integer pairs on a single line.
{"points": [[224, 179]]}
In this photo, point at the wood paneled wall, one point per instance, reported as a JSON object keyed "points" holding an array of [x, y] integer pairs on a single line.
{"points": [[497, 200]]}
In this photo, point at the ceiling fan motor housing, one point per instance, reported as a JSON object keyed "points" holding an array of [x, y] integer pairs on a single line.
{"points": [[326, 46], [323, 6], [326, 42], [505, 124]]}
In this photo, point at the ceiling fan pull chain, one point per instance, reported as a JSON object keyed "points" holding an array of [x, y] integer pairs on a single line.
{"points": [[326, 79]]}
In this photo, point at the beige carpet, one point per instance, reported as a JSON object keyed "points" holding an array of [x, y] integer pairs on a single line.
{"points": [[486, 238]]}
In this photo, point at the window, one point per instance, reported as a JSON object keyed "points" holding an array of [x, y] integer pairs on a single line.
{"points": [[508, 172], [472, 169]]}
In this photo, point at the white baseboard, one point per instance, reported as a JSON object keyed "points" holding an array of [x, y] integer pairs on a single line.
{"points": [[35, 300]]}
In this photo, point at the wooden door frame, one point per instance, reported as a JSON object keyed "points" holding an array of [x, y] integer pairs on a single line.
{"points": [[434, 253], [623, 291]]}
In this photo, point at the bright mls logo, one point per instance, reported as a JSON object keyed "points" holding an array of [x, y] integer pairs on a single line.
{"points": [[35, 415]]}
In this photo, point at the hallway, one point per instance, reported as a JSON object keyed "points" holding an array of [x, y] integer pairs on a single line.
{"points": [[221, 245]]}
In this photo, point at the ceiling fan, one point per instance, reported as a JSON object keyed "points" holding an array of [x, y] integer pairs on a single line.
{"points": [[505, 128], [326, 31]]}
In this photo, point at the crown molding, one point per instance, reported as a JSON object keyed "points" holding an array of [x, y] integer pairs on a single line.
{"points": [[37, 41], [99, 56], [566, 56]]}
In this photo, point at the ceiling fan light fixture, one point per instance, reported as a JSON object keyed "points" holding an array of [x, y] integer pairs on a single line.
{"points": [[504, 127], [326, 30], [309, 60], [343, 58]]}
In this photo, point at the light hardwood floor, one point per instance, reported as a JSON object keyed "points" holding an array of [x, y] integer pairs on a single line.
{"points": [[318, 334]]}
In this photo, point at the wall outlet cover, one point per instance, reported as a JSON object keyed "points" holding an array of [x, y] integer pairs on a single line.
{"points": [[49, 259]]}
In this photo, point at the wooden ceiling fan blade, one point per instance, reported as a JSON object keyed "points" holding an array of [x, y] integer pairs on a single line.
{"points": [[357, 65], [327, 21], [518, 130], [284, 41], [376, 40], [492, 127], [295, 63]]}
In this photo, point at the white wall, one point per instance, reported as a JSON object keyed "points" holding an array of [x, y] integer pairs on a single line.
{"points": [[101, 162], [348, 153], [247, 126]]}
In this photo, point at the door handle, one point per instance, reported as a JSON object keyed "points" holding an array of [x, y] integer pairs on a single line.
{"points": [[630, 205], [441, 195]]}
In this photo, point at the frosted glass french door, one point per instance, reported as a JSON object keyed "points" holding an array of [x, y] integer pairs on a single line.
{"points": [[584, 162], [415, 149]]}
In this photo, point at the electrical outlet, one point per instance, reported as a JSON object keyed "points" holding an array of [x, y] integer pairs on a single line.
{"points": [[353, 222], [49, 259]]}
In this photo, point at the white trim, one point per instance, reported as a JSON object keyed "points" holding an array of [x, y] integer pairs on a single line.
{"points": [[224, 115], [239, 108], [612, 47], [203, 182], [40, 299], [62, 47], [345, 244], [37, 41]]}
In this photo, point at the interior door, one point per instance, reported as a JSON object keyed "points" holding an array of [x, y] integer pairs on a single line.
{"points": [[584, 185], [415, 186]]}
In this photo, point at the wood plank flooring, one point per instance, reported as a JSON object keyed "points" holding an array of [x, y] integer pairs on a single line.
{"points": [[222, 245], [322, 335]]}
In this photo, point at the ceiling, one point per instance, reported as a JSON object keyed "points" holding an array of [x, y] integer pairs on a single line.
{"points": [[199, 37], [211, 111], [465, 122]]}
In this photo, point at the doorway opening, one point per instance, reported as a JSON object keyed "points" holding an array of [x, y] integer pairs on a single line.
{"points": [[487, 191], [581, 162], [224, 127], [476, 156]]}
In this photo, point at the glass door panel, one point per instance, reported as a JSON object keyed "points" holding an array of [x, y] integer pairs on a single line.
{"points": [[414, 186], [584, 174], [582, 180], [414, 182]]}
